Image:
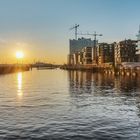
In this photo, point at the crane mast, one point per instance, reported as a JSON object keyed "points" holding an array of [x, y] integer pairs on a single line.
{"points": [[75, 27]]}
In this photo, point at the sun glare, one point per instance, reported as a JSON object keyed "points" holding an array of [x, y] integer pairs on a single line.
{"points": [[19, 54]]}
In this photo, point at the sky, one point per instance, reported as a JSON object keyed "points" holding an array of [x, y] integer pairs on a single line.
{"points": [[40, 28]]}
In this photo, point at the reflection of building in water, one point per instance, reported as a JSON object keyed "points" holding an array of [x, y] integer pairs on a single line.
{"points": [[80, 82], [19, 83], [88, 82], [119, 84], [103, 81], [129, 84]]}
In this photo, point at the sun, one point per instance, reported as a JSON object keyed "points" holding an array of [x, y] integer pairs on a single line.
{"points": [[19, 54]]}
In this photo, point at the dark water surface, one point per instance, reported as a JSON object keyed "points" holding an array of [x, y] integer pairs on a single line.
{"points": [[57, 104]]}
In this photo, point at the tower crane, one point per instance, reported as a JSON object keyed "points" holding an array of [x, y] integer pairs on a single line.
{"points": [[75, 27], [92, 34]]}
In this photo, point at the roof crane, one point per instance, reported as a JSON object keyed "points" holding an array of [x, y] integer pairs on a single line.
{"points": [[75, 27], [92, 34]]}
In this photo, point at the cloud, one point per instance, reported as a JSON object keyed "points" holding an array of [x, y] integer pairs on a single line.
{"points": [[21, 44], [3, 41]]}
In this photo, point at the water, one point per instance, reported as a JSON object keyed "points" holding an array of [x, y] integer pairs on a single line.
{"points": [[57, 104]]}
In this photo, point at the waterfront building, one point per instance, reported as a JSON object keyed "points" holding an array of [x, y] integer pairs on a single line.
{"points": [[75, 46], [87, 55], [80, 57], [94, 55], [105, 53], [78, 45], [125, 51], [70, 59], [75, 58]]}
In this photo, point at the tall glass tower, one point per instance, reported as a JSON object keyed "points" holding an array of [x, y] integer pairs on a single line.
{"points": [[138, 38]]}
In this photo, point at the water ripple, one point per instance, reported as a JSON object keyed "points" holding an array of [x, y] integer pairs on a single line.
{"points": [[69, 105]]}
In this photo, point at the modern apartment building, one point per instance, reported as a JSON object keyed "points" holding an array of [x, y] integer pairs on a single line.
{"points": [[125, 51], [105, 53], [76, 46], [87, 55]]}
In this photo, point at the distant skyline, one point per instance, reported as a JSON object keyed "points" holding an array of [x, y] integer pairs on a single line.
{"points": [[41, 27]]}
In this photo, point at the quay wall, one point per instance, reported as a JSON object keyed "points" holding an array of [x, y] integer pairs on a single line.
{"points": [[6, 68], [129, 71]]}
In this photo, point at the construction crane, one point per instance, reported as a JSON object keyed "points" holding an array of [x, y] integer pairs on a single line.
{"points": [[75, 27], [92, 34]]}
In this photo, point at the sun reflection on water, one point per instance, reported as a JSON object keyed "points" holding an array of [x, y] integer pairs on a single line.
{"points": [[19, 84]]}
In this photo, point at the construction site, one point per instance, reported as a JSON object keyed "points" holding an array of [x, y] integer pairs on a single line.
{"points": [[121, 58]]}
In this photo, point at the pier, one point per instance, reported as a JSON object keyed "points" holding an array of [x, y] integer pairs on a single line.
{"points": [[129, 69], [11, 68], [125, 69], [41, 66]]}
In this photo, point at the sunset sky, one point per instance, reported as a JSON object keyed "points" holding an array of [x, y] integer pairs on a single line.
{"points": [[40, 28]]}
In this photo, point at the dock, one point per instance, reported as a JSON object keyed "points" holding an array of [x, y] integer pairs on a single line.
{"points": [[11, 68], [125, 69]]}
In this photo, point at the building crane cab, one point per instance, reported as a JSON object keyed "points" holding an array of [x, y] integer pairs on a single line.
{"points": [[75, 27]]}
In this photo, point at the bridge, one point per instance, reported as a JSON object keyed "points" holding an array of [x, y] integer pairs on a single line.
{"points": [[44, 66]]}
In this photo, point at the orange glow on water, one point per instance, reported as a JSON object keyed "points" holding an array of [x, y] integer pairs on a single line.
{"points": [[19, 84]]}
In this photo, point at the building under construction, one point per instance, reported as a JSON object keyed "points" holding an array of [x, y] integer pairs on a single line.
{"points": [[76, 46], [79, 48], [84, 51]]}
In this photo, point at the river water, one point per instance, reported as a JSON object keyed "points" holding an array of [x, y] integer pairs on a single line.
{"points": [[57, 104]]}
